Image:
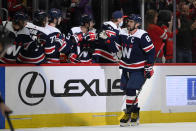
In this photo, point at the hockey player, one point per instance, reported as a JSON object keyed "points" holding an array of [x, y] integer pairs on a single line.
{"points": [[33, 52], [21, 34], [57, 43], [83, 40], [137, 65], [107, 47]]}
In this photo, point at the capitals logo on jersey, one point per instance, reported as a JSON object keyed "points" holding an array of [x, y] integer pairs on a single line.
{"points": [[126, 51], [137, 50]]}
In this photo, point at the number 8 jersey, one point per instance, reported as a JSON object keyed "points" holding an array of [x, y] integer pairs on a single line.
{"points": [[137, 50]]}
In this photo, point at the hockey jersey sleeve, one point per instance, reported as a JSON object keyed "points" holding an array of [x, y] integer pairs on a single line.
{"points": [[74, 37], [110, 38], [58, 41], [64, 46], [148, 48]]}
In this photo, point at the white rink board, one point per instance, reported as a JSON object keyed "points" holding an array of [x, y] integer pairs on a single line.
{"points": [[152, 97], [60, 75]]}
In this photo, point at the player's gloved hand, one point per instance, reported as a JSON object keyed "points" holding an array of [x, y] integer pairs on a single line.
{"points": [[4, 109], [73, 58], [148, 71], [78, 37], [103, 35], [90, 36]]}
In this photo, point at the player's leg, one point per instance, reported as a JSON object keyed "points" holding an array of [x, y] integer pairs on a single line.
{"points": [[135, 82], [135, 116], [125, 120], [131, 104]]}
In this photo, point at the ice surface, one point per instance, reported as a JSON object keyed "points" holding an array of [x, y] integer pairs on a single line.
{"points": [[189, 126]]}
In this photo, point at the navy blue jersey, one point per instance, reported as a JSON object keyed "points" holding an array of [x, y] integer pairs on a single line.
{"points": [[107, 48], [33, 52], [82, 45], [137, 50], [22, 37], [56, 45]]}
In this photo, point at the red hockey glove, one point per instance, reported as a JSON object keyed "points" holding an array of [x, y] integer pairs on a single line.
{"points": [[73, 58], [90, 36], [148, 71], [78, 37]]}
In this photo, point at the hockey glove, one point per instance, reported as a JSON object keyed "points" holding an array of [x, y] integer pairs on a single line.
{"points": [[90, 36], [78, 37], [73, 58], [103, 35], [148, 71]]}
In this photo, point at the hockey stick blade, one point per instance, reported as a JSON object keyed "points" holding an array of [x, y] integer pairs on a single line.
{"points": [[9, 121]]}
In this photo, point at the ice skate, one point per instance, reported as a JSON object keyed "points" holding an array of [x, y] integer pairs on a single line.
{"points": [[125, 120], [135, 117]]}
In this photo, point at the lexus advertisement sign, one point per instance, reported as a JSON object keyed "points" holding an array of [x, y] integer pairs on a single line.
{"points": [[63, 89]]}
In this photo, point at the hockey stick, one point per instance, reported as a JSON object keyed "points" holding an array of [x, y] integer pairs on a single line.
{"points": [[161, 48], [9, 121]]}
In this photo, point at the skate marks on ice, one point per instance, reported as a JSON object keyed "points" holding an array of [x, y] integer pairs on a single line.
{"points": [[188, 126]]}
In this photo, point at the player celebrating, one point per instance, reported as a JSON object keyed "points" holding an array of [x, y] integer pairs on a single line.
{"points": [[107, 47], [21, 34], [137, 65], [57, 42], [33, 52], [82, 40]]}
